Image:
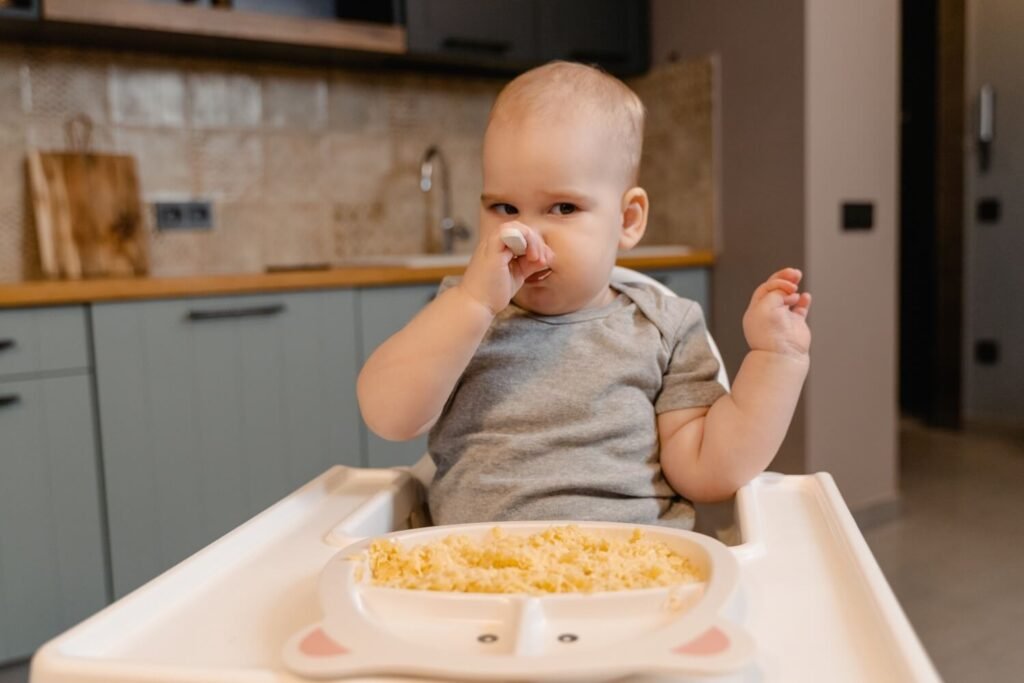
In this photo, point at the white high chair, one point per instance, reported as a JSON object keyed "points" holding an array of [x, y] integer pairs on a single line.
{"points": [[424, 468]]}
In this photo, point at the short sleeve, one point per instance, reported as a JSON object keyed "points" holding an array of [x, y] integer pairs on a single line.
{"points": [[447, 283], [691, 379]]}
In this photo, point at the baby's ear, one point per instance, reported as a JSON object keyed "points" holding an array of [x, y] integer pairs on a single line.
{"points": [[634, 217]]}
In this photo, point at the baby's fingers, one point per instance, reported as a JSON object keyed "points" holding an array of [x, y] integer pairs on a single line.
{"points": [[798, 300], [776, 284], [803, 305], [536, 249], [791, 274]]}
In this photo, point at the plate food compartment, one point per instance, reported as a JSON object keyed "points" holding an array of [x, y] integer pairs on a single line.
{"points": [[370, 629]]}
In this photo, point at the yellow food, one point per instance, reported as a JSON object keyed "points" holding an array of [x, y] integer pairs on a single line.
{"points": [[560, 559]]}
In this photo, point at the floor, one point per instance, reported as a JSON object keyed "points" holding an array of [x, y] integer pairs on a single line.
{"points": [[954, 557]]}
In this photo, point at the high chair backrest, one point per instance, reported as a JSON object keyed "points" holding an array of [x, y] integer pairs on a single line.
{"points": [[424, 468]]}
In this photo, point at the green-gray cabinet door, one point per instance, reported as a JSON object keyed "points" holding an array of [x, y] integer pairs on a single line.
{"points": [[212, 409], [384, 311], [692, 283], [52, 552]]}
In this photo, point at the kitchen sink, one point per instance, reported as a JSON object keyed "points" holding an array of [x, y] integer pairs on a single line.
{"points": [[408, 260]]}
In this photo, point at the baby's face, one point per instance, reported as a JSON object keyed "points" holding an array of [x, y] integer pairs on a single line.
{"points": [[563, 181]]}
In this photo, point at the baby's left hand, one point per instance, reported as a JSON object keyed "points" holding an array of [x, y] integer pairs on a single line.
{"points": [[776, 319]]}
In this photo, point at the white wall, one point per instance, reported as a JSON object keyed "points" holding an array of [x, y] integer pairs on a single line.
{"points": [[759, 46], [808, 117], [852, 105]]}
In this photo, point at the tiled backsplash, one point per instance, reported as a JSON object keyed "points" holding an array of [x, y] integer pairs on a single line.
{"points": [[304, 165]]}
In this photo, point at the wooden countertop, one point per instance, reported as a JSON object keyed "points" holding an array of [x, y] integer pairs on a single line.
{"points": [[55, 292]]}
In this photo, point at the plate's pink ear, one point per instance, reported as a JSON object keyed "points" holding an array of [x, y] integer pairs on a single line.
{"points": [[317, 644], [711, 642]]}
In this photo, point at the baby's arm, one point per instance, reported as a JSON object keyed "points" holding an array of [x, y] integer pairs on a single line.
{"points": [[708, 453], [405, 383]]}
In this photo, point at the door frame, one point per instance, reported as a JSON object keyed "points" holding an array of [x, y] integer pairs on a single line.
{"points": [[932, 202]]}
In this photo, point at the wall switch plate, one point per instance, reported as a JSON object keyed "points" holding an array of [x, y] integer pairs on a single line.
{"points": [[858, 215], [188, 215], [988, 210], [986, 351]]}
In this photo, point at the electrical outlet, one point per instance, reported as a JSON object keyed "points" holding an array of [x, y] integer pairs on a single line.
{"points": [[190, 215]]}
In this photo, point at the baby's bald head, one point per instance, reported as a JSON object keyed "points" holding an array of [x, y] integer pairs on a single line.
{"points": [[566, 92]]}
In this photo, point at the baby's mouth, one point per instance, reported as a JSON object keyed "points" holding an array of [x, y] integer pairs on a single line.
{"points": [[539, 275]]}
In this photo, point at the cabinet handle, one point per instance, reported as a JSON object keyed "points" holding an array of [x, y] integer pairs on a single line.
{"points": [[598, 57], [7, 344], [227, 313], [9, 400], [494, 47]]}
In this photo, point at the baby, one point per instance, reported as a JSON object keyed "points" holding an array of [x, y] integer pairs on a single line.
{"points": [[551, 392]]}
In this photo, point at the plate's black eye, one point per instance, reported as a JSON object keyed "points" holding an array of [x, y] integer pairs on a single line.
{"points": [[568, 638], [487, 638]]}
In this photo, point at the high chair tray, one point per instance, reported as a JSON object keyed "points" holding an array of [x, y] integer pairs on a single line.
{"points": [[809, 594], [492, 636]]}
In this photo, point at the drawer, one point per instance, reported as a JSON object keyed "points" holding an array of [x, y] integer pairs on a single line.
{"points": [[43, 339]]}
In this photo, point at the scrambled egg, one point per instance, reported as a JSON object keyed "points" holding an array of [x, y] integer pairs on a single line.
{"points": [[561, 559]]}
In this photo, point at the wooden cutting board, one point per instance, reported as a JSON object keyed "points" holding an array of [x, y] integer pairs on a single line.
{"points": [[88, 214]]}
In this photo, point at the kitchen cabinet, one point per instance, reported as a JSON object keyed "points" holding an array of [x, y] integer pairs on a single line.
{"points": [[53, 570], [319, 9], [382, 312], [494, 33], [500, 36], [691, 283], [20, 9], [43, 340], [516, 34], [276, 29], [612, 33], [212, 409]]}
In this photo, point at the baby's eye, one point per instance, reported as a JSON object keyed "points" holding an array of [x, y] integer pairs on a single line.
{"points": [[564, 208], [504, 209]]}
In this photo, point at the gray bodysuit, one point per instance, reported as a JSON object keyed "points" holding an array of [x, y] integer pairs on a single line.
{"points": [[554, 418]]}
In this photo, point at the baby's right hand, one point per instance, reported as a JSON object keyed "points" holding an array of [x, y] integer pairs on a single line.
{"points": [[494, 274]]}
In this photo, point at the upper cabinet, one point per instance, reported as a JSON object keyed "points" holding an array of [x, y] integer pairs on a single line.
{"points": [[496, 33], [612, 33], [500, 36], [19, 9], [515, 34], [253, 27]]}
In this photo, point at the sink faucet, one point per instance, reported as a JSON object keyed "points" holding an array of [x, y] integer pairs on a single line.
{"points": [[450, 228]]}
